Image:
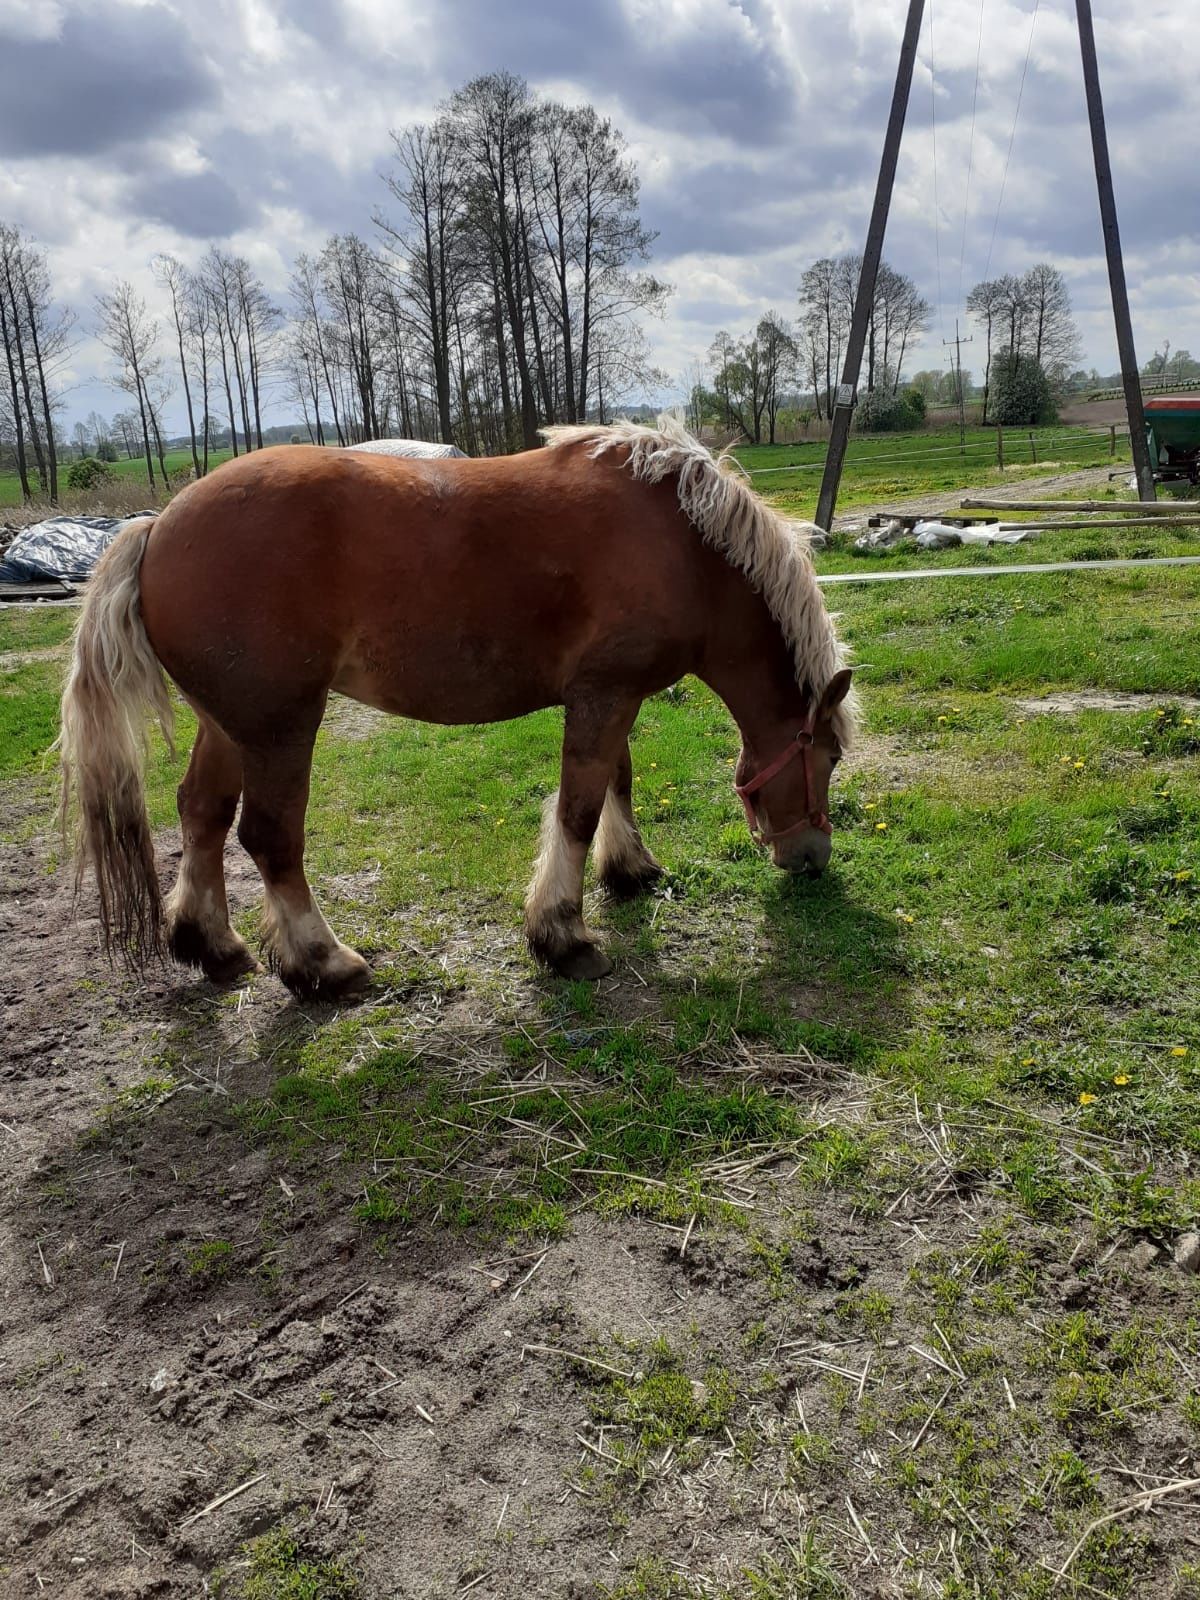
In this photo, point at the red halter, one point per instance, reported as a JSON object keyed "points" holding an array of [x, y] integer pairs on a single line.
{"points": [[801, 745]]}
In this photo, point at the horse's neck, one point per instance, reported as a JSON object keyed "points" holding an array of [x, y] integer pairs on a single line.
{"points": [[749, 663]]}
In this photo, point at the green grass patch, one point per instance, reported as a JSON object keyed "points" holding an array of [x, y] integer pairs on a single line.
{"points": [[280, 1568]]}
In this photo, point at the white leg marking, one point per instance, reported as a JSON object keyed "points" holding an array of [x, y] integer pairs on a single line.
{"points": [[553, 903], [304, 944]]}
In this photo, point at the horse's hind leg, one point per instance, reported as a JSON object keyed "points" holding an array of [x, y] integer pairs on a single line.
{"points": [[592, 742], [302, 947], [198, 930], [624, 866]]}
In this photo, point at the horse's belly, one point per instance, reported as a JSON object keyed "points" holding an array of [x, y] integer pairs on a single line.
{"points": [[446, 693]]}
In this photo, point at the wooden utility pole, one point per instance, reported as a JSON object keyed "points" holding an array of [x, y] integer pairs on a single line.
{"points": [[843, 410], [958, 343], [1143, 466]]}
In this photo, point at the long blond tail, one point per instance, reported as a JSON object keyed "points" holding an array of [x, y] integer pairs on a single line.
{"points": [[115, 684]]}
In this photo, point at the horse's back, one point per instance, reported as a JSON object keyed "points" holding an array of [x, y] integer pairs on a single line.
{"points": [[450, 590]]}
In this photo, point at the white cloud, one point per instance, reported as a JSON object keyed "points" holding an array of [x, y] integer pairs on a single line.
{"points": [[756, 128]]}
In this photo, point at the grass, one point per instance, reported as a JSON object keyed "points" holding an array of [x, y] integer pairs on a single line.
{"points": [[280, 1568], [918, 1111], [899, 465], [126, 473]]}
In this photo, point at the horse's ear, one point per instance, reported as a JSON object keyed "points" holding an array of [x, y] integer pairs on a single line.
{"points": [[836, 691]]}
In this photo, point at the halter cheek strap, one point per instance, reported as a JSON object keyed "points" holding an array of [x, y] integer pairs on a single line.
{"points": [[801, 745]]}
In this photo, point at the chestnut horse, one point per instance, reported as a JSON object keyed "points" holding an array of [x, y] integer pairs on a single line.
{"points": [[587, 575]]}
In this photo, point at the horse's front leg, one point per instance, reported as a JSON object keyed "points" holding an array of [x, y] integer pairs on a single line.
{"points": [[623, 864], [593, 739]]}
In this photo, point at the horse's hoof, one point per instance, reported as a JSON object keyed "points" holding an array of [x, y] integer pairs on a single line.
{"points": [[620, 884], [583, 963], [228, 969], [342, 977], [190, 946]]}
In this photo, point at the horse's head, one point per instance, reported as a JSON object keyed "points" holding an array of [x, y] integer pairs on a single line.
{"points": [[787, 799]]}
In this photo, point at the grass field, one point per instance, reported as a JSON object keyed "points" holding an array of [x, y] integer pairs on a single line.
{"points": [[924, 1132], [900, 464], [129, 475]]}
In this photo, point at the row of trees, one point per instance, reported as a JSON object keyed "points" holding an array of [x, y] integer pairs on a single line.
{"points": [[505, 291], [1025, 321], [1031, 340], [34, 336], [749, 379], [504, 288]]}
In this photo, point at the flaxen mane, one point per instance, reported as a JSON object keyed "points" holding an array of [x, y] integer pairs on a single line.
{"points": [[771, 551]]}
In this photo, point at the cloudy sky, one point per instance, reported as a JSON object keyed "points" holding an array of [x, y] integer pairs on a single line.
{"points": [[129, 127]]}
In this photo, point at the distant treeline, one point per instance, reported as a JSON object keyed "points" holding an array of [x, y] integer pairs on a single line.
{"points": [[503, 288]]}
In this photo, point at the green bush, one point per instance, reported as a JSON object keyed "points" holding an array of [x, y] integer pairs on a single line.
{"points": [[88, 473], [881, 411], [1021, 394]]}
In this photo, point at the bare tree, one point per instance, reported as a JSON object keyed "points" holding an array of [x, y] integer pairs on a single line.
{"points": [[174, 277], [132, 336], [985, 304], [31, 341], [1053, 336], [778, 355], [824, 314], [429, 183]]}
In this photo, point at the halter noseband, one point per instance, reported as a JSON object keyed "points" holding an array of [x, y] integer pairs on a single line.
{"points": [[801, 745]]}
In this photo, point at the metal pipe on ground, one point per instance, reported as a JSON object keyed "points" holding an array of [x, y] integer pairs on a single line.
{"points": [[1144, 510]]}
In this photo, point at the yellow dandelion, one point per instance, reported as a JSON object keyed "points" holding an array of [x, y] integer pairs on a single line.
{"points": [[1063, 760], [1188, 722], [1179, 1050], [1120, 1079], [1086, 1099], [943, 719], [1184, 876], [1029, 1061], [870, 806], [654, 766], [905, 917], [881, 827], [1078, 766]]}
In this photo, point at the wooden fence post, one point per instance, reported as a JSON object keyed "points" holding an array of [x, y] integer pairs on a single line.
{"points": [[1000, 448], [1112, 439], [1032, 448]]}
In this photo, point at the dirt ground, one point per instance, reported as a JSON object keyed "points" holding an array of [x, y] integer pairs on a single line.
{"points": [[394, 1396], [1081, 482], [404, 1402]]}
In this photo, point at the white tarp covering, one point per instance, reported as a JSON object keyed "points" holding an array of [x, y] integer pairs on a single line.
{"points": [[420, 448]]}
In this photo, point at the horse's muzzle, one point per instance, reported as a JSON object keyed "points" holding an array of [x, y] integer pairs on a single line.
{"points": [[807, 853]]}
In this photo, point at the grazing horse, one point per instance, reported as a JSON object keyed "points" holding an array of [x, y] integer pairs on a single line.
{"points": [[588, 575]]}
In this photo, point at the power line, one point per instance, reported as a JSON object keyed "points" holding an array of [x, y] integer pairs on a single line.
{"points": [[1013, 136], [962, 249]]}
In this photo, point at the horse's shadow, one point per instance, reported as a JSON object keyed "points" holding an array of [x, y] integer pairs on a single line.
{"points": [[819, 967]]}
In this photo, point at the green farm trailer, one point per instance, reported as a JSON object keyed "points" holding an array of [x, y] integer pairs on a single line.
{"points": [[1173, 430]]}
